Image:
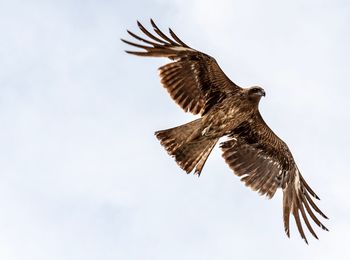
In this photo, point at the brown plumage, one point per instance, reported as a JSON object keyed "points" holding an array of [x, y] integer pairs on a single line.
{"points": [[260, 158]]}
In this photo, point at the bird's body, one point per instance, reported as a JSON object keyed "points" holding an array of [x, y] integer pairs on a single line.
{"points": [[226, 115], [263, 161]]}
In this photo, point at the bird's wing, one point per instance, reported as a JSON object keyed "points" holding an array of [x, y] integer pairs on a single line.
{"points": [[264, 163], [194, 79]]}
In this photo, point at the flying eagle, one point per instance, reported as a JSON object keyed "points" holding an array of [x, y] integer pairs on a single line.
{"points": [[253, 151]]}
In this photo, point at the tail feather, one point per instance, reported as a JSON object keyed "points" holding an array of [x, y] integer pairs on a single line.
{"points": [[181, 143], [174, 138], [194, 154]]}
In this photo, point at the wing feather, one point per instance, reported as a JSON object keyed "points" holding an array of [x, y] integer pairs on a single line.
{"points": [[150, 35], [297, 221], [177, 39], [306, 220], [162, 35], [264, 163], [194, 80]]}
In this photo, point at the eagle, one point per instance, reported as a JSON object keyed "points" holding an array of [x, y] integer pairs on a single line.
{"points": [[251, 149]]}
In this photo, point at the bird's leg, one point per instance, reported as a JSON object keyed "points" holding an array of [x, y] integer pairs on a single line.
{"points": [[205, 131]]}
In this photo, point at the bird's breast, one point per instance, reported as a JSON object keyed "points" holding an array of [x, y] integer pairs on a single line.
{"points": [[223, 119]]}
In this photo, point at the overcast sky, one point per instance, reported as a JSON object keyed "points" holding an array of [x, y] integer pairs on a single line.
{"points": [[82, 175]]}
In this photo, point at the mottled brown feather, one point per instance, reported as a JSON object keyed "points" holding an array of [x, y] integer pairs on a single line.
{"points": [[197, 84], [194, 80], [265, 162]]}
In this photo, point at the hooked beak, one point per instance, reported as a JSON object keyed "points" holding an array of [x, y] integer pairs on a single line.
{"points": [[261, 93]]}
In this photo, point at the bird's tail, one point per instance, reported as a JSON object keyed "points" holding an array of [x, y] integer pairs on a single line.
{"points": [[189, 151]]}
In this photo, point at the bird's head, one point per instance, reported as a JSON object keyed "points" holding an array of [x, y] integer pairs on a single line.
{"points": [[255, 93]]}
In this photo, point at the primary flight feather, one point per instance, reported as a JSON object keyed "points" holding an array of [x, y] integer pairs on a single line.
{"points": [[259, 157]]}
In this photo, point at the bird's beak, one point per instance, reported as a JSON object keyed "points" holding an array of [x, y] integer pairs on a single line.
{"points": [[263, 93]]}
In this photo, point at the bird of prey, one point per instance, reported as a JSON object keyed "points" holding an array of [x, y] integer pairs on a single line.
{"points": [[252, 150]]}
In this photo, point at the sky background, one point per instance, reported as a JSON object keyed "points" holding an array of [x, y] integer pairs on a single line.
{"points": [[82, 175]]}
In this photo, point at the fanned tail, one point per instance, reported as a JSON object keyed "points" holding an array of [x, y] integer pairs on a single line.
{"points": [[189, 153]]}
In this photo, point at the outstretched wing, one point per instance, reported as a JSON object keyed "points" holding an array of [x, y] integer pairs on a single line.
{"points": [[194, 80], [264, 163]]}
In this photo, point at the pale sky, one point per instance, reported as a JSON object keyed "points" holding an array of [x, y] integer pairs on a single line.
{"points": [[82, 175]]}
